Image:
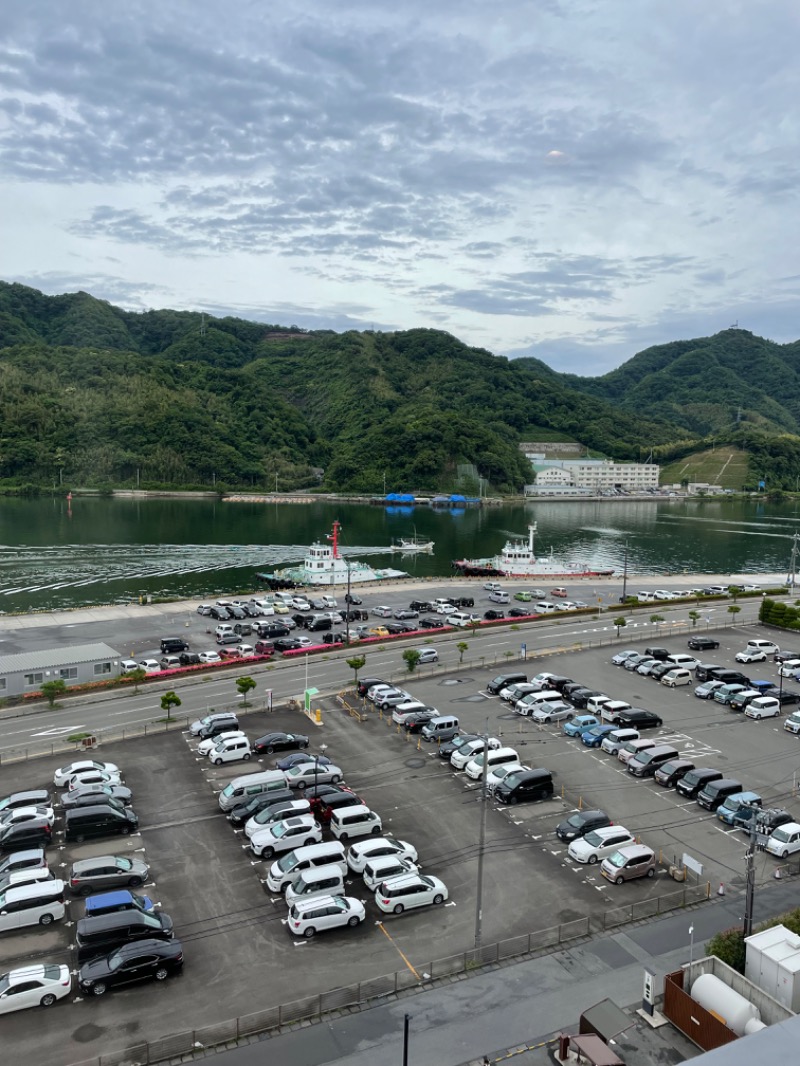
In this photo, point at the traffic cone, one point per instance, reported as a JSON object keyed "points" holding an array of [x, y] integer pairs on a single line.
{"points": [[721, 889], [778, 875]]}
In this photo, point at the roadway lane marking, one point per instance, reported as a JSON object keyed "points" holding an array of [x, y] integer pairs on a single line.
{"points": [[404, 957]]}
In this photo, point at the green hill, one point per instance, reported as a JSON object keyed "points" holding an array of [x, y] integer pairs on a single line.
{"points": [[725, 466]]}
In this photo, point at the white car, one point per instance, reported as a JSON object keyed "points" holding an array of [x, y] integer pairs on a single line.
{"points": [[792, 723], [235, 749], [558, 711], [128, 666], [495, 776], [599, 844], [595, 704], [308, 917], [621, 656], [763, 707], [15, 815], [93, 777], [750, 655], [377, 847], [663, 594], [301, 604], [399, 894], [382, 611], [205, 747], [374, 694], [460, 757], [37, 985], [566, 605], [474, 767], [279, 813], [789, 667], [403, 710], [247, 651], [445, 608], [62, 776], [306, 642], [204, 609], [310, 773], [541, 681], [209, 657], [150, 666], [492, 586], [286, 836], [514, 693], [378, 870]]}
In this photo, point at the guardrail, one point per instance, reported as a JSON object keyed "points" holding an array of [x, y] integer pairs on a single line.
{"points": [[364, 993]]}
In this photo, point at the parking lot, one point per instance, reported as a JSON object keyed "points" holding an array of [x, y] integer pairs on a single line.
{"points": [[240, 956]]}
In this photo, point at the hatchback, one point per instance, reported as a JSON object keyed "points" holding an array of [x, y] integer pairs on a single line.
{"points": [[358, 855], [308, 917], [276, 812], [62, 776], [580, 724], [628, 863], [399, 894], [580, 823], [707, 689], [599, 844], [428, 655]]}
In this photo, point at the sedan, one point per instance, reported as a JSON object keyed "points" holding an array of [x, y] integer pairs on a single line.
{"points": [[89, 794], [300, 603], [431, 623], [284, 644], [599, 844], [406, 612], [310, 773], [359, 855], [36, 985], [62, 776], [750, 656], [292, 833], [209, 657], [579, 724], [107, 871], [518, 612], [144, 960], [271, 742], [702, 643], [553, 712], [17, 815]]}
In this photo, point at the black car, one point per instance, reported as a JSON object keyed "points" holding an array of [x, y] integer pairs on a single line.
{"points": [[36, 832], [417, 719], [658, 671], [237, 612], [569, 690], [301, 620], [280, 742], [321, 792], [580, 823], [395, 628], [189, 658], [283, 644], [702, 643], [637, 719], [297, 757], [559, 683], [581, 696], [317, 625], [366, 683], [671, 772], [493, 616], [270, 630], [520, 612], [239, 815], [334, 638], [446, 750], [463, 601], [431, 623], [785, 697], [144, 960], [658, 653], [220, 613], [783, 656], [89, 795], [173, 645], [703, 671], [696, 780], [422, 605], [350, 597]]}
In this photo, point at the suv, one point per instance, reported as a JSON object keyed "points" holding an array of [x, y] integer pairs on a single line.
{"points": [[636, 719], [219, 723], [702, 643], [580, 823], [657, 653], [173, 645]]}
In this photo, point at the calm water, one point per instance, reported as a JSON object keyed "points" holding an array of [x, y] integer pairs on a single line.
{"points": [[106, 551]]}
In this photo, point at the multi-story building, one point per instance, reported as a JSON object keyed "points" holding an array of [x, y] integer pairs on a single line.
{"points": [[596, 474]]}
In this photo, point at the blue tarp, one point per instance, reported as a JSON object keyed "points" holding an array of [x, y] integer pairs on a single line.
{"points": [[458, 499]]}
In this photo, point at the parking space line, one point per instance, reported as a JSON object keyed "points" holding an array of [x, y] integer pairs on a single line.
{"points": [[404, 957]]}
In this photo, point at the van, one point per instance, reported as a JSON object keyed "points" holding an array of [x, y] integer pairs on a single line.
{"points": [[673, 678], [289, 866], [716, 792], [495, 757], [443, 727], [231, 750], [734, 803], [636, 860], [84, 823], [784, 841], [499, 597], [18, 878], [522, 785], [728, 677], [505, 680], [38, 904], [459, 618], [648, 761], [687, 662], [357, 821], [696, 780], [632, 748], [242, 789], [120, 900], [767, 646], [611, 710], [318, 881], [545, 607], [224, 629], [539, 699], [612, 742], [102, 935], [703, 671]]}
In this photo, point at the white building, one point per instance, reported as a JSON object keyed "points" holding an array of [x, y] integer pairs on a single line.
{"points": [[595, 474]]}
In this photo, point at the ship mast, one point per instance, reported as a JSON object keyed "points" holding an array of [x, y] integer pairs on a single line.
{"points": [[334, 537], [531, 535]]}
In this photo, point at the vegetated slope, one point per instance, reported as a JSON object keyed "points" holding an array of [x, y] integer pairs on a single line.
{"points": [[725, 466], [179, 398], [709, 385]]}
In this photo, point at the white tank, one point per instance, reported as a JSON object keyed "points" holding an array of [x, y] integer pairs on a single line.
{"points": [[716, 996], [753, 1026]]}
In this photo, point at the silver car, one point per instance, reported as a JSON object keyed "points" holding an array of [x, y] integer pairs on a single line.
{"points": [[308, 774], [106, 871], [553, 712]]}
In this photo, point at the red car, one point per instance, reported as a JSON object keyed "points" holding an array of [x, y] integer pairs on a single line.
{"points": [[562, 592], [322, 807]]}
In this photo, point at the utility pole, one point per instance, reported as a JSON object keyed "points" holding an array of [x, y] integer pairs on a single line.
{"points": [[750, 874], [481, 843], [347, 604], [625, 573]]}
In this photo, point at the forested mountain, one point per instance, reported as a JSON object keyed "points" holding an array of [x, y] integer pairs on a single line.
{"points": [[92, 395]]}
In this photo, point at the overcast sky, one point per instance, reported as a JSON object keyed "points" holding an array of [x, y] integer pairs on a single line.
{"points": [[574, 179]]}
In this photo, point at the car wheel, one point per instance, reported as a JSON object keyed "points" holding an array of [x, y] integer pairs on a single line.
{"points": [[592, 860], [161, 974], [246, 756], [79, 839], [335, 779], [46, 919], [86, 890], [438, 898], [512, 799], [267, 853], [301, 784], [620, 881], [376, 831], [269, 750], [399, 908], [133, 882], [126, 832], [353, 921], [549, 794], [308, 933], [784, 854], [305, 745], [99, 989], [651, 873], [218, 762], [48, 1000]]}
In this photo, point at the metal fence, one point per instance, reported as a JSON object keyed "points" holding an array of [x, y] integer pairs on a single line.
{"points": [[364, 993]]}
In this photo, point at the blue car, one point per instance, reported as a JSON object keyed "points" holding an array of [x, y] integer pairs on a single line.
{"points": [[593, 737], [580, 724]]}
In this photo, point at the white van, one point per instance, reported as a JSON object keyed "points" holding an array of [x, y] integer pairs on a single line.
{"points": [[545, 607], [356, 821], [38, 904], [459, 618], [785, 840], [289, 866], [528, 704], [318, 881], [685, 662], [632, 748], [767, 646], [242, 789], [677, 677], [495, 758], [233, 749]]}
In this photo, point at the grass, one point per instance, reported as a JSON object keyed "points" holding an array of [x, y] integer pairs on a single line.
{"points": [[725, 466]]}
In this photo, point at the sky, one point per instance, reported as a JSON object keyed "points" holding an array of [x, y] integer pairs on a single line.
{"points": [[569, 179]]}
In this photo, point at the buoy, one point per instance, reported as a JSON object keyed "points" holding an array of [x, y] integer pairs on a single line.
{"points": [[721, 889]]}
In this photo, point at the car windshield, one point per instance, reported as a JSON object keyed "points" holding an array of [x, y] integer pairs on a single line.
{"points": [[281, 829], [123, 864], [287, 863], [781, 836], [594, 839], [5, 984], [576, 821], [617, 859], [115, 961]]}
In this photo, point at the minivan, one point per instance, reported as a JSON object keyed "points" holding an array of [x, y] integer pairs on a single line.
{"points": [[102, 820], [232, 749], [785, 840], [632, 748], [357, 821], [767, 646], [317, 881], [728, 677], [696, 780], [648, 761], [224, 629], [289, 866], [443, 727], [494, 758], [672, 678], [242, 789], [38, 904], [102, 935], [504, 680], [716, 792], [636, 860], [523, 785], [686, 662]]}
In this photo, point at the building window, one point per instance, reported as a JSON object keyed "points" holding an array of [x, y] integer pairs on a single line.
{"points": [[2, 684], [68, 673], [102, 668], [31, 680]]}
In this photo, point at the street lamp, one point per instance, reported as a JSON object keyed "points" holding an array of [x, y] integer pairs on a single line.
{"points": [[625, 573], [322, 749]]}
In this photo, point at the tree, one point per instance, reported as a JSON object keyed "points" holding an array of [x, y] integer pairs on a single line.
{"points": [[620, 623], [358, 662], [168, 701], [694, 615], [462, 647], [656, 619], [734, 610], [53, 689], [474, 625], [411, 656], [137, 677], [245, 685]]}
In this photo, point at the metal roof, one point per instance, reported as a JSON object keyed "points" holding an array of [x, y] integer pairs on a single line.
{"points": [[54, 658]]}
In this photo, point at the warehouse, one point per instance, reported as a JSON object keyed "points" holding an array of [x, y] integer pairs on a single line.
{"points": [[27, 672]]}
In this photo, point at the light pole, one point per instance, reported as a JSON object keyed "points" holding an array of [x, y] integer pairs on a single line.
{"points": [[406, 1020], [347, 604], [625, 573], [322, 749], [481, 843], [691, 943]]}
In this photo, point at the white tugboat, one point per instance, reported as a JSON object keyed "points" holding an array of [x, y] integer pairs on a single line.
{"points": [[323, 565], [518, 559]]}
